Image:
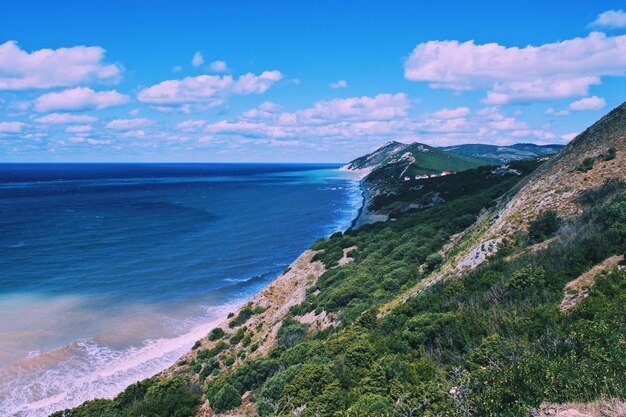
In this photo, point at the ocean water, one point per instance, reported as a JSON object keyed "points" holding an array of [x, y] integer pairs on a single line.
{"points": [[110, 272]]}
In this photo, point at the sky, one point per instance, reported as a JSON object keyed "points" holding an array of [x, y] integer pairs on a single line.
{"points": [[299, 81]]}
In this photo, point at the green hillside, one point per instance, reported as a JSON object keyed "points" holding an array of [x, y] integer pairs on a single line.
{"points": [[422, 159], [507, 294]]}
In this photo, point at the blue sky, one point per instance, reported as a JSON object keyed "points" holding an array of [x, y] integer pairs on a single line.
{"points": [[297, 81]]}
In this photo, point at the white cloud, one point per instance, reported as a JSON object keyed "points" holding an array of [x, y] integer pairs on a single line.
{"points": [[266, 110], [177, 68], [218, 66], [11, 127], [128, 124], [541, 134], [190, 125], [339, 84], [79, 129], [359, 121], [451, 113], [611, 19], [98, 142], [509, 123], [138, 133], [49, 68], [207, 90], [588, 103], [63, 118], [380, 107], [569, 136], [197, 59], [552, 112], [513, 74], [206, 139], [80, 98]]}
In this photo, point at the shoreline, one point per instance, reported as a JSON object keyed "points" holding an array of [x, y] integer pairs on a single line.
{"points": [[289, 286], [277, 296]]}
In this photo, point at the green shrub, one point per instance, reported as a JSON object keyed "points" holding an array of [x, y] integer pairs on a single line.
{"points": [[238, 336], [217, 349], [245, 314], [246, 339], [371, 405], [291, 332], [433, 261], [225, 399], [586, 165], [544, 226], [208, 369], [93, 408], [168, 398], [270, 393], [216, 333]]}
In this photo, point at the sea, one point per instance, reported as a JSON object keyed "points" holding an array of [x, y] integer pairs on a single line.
{"points": [[110, 272]]}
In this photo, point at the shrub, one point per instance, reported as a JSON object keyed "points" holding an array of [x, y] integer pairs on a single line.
{"points": [[291, 332], [524, 278], [168, 398], [218, 348], [210, 367], [236, 338], [216, 334], [586, 165], [544, 226], [273, 388], [370, 405], [433, 261], [225, 399], [93, 408]]}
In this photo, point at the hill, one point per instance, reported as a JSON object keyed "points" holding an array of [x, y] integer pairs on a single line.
{"points": [[398, 159], [505, 299], [396, 166], [500, 154]]}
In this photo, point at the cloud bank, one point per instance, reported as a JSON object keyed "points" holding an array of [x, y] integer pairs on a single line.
{"points": [[519, 75], [49, 68]]}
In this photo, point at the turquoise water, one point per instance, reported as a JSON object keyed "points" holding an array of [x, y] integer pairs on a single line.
{"points": [[109, 272]]}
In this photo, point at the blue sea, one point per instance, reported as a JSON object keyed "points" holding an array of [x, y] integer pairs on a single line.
{"points": [[110, 272]]}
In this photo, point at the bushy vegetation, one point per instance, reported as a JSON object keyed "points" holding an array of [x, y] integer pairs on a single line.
{"points": [[433, 161], [451, 187], [586, 164], [172, 397], [544, 226], [610, 154], [493, 343], [244, 315], [216, 334]]}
